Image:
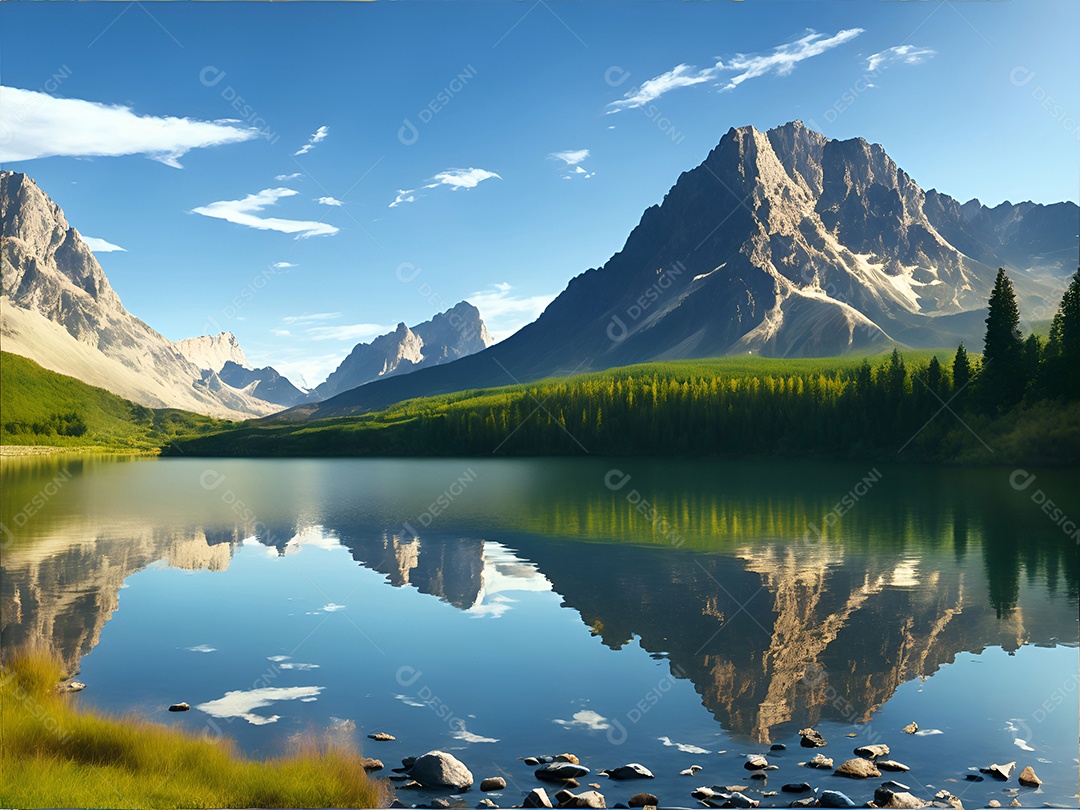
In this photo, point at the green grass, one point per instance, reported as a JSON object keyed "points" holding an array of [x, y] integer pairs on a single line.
{"points": [[57, 755], [40, 407]]}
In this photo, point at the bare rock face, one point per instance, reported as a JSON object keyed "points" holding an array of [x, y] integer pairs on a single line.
{"points": [[60, 311]]}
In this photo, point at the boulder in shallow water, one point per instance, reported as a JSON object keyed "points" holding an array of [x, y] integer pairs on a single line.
{"points": [[537, 797], [1028, 778], [756, 762], [1000, 771], [834, 798], [493, 783], [633, 770], [858, 768], [589, 798], [812, 739], [438, 769], [872, 751], [820, 761], [371, 764], [643, 800], [910, 728]]}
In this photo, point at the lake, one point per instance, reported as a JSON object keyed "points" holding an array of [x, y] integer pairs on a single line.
{"points": [[671, 613]]}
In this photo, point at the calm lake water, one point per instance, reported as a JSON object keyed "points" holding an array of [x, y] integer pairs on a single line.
{"points": [[663, 612]]}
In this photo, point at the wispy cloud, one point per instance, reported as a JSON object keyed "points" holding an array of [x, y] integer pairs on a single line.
{"points": [[505, 313], [37, 125], [904, 54], [351, 332], [318, 136], [282, 265], [729, 74], [315, 317], [572, 159], [329, 201], [101, 246], [292, 176], [454, 178], [246, 212]]}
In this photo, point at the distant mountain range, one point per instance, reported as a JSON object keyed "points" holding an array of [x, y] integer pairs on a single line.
{"points": [[59, 310], [781, 243]]}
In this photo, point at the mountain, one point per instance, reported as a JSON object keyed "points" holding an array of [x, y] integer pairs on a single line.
{"points": [[781, 243], [222, 355], [59, 310], [212, 352], [448, 336]]}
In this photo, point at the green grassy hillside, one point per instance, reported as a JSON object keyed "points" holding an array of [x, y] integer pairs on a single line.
{"points": [[41, 407]]}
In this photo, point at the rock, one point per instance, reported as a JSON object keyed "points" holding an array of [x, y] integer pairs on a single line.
{"points": [[443, 804], [891, 765], [487, 804], [949, 800], [594, 785], [703, 793], [973, 777], [759, 775], [796, 787], [894, 786], [834, 798], [1015, 803], [532, 762], [755, 762], [809, 801], [412, 784], [567, 758], [1000, 771], [408, 762], [690, 771], [493, 783], [382, 736], [397, 803], [993, 803], [571, 783], [643, 800], [820, 761], [858, 768], [633, 770], [562, 796], [545, 760], [740, 800], [560, 771], [1028, 778], [371, 764], [812, 739], [71, 686], [439, 769], [537, 797], [899, 800], [910, 728], [730, 788], [778, 747], [872, 751], [179, 707], [590, 798]]}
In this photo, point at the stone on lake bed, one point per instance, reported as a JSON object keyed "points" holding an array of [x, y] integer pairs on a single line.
{"points": [[778, 747], [493, 783], [441, 770], [834, 798], [537, 797], [755, 762], [796, 787], [891, 765], [632, 770], [910, 728], [643, 800], [811, 738], [872, 751], [560, 771], [1028, 778], [382, 736], [858, 768], [820, 761], [179, 707]]}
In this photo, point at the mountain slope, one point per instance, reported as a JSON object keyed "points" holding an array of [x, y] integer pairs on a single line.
{"points": [[448, 336], [212, 352], [782, 243], [58, 309], [222, 355]]}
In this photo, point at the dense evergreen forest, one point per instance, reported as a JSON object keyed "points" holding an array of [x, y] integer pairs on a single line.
{"points": [[1019, 401]]}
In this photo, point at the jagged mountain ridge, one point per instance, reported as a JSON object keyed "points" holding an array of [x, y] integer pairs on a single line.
{"points": [[448, 336], [781, 243], [212, 352], [59, 310], [222, 354]]}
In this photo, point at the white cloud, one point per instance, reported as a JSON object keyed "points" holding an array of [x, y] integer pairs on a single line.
{"points": [[904, 54], [461, 178], [280, 332], [329, 201], [404, 195], [101, 246], [572, 159], [586, 719], [504, 313], [241, 704], [37, 125], [245, 211], [780, 61], [352, 332], [318, 136], [292, 176], [282, 265], [314, 317]]}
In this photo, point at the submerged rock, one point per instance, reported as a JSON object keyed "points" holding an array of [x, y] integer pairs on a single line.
{"points": [[796, 787], [643, 800], [180, 707], [834, 798], [812, 739], [493, 783], [567, 758], [1028, 778], [441, 770], [560, 771], [858, 768]]}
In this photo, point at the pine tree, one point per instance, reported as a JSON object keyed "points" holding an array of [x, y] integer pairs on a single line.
{"points": [[961, 370], [1002, 379], [1062, 357]]}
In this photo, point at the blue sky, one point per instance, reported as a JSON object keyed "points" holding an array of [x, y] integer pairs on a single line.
{"points": [[521, 141]]}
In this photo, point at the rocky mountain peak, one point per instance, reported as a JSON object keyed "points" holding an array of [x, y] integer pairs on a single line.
{"points": [[212, 352]]}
